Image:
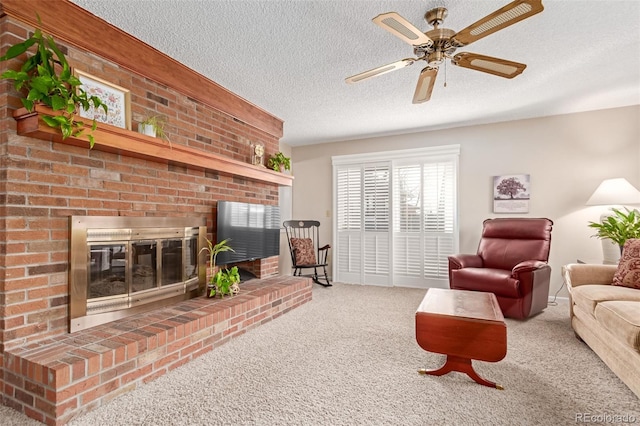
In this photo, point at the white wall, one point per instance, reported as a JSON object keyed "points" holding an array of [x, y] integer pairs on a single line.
{"points": [[286, 209], [567, 157]]}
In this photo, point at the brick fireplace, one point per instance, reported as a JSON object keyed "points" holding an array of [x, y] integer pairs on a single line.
{"points": [[47, 372]]}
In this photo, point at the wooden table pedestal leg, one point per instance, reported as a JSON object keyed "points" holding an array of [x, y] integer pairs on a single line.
{"points": [[463, 365]]}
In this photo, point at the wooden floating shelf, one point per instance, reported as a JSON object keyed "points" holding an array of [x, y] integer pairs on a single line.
{"points": [[133, 144]]}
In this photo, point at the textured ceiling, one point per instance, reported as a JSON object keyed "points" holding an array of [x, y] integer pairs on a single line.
{"points": [[291, 58]]}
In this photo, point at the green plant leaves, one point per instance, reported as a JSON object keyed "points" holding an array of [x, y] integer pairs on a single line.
{"points": [[57, 102], [38, 78], [12, 75], [18, 49], [213, 250], [618, 227], [27, 104], [97, 103], [279, 159], [223, 280], [51, 121]]}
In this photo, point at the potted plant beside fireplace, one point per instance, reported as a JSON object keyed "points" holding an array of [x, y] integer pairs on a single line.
{"points": [[225, 282], [213, 250]]}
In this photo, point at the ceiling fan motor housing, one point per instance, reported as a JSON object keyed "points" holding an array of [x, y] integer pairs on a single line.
{"points": [[436, 16], [441, 48]]}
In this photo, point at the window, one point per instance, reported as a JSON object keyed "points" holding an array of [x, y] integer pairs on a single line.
{"points": [[396, 219]]}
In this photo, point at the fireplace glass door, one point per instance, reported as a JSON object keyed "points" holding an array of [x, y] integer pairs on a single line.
{"points": [[172, 269], [144, 270], [121, 266], [191, 258], [107, 270]]}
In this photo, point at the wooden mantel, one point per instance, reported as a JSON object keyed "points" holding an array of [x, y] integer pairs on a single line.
{"points": [[77, 26], [126, 142]]}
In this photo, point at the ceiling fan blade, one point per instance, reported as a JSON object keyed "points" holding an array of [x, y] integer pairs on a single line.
{"points": [[380, 70], [488, 64], [425, 85], [401, 28], [508, 15]]}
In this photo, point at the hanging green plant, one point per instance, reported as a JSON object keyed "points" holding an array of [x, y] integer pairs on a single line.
{"points": [[46, 78]]}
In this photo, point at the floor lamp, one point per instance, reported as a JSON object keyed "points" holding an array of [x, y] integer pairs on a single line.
{"points": [[614, 193]]}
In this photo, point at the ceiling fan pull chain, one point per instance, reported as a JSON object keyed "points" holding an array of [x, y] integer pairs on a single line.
{"points": [[445, 74]]}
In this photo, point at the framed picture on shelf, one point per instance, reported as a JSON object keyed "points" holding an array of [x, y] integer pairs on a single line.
{"points": [[117, 99]]}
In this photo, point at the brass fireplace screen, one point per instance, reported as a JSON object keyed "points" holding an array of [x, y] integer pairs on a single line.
{"points": [[120, 266]]}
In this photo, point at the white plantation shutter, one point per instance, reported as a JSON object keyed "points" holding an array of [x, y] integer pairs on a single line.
{"points": [[424, 221], [376, 179], [348, 250], [439, 215], [396, 220], [349, 189], [407, 227], [362, 205]]}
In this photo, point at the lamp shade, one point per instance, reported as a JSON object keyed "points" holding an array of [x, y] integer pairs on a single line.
{"points": [[614, 192]]}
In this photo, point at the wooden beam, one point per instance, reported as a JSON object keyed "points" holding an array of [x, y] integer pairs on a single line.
{"points": [[76, 26]]}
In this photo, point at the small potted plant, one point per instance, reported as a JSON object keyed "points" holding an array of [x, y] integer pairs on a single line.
{"points": [[618, 227], [213, 250], [46, 78], [225, 282], [153, 126], [279, 162]]}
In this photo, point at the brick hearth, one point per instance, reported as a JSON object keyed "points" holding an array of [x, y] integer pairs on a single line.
{"points": [[60, 378]]}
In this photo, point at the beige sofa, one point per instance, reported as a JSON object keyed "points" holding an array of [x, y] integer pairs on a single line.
{"points": [[607, 318]]}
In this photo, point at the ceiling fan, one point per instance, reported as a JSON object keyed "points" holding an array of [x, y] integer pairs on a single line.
{"points": [[438, 44]]}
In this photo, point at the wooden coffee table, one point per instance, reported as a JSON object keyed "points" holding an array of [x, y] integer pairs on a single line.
{"points": [[463, 325]]}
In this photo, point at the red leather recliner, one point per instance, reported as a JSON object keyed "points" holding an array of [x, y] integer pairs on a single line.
{"points": [[511, 263]]}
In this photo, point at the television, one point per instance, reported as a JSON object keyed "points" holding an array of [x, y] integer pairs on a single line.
{"points": [[253, 231]]}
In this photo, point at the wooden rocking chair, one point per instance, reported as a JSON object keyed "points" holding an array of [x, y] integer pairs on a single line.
{"points": [[305, 250]]}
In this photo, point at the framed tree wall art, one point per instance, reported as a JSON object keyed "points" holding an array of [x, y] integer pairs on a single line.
{"points": [[511, 193], [117, 99]]}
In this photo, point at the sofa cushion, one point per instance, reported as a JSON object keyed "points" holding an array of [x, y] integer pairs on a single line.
{"points": [[622, 319], [628, 273], [589, 295]]}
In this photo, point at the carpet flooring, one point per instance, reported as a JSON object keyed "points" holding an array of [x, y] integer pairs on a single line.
{"points": [[349, 357]]}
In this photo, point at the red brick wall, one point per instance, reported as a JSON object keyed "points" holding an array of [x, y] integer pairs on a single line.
{"points": [[43, 183]]}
